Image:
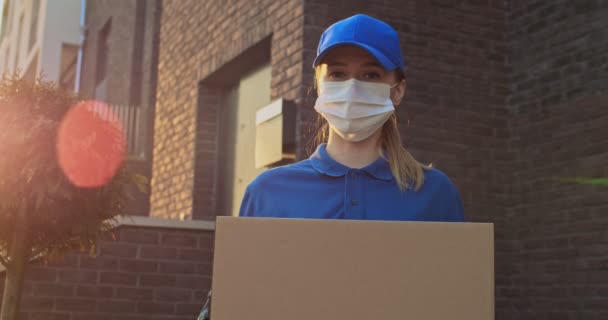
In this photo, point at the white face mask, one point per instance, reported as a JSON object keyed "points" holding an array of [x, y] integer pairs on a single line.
{"points": [[354, 109]]}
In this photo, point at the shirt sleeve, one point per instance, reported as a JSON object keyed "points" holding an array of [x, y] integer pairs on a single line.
{"points": [[247, 204], [454, 209]]}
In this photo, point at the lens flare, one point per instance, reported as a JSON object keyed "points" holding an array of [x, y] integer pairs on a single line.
{"points": [[90, 144]]}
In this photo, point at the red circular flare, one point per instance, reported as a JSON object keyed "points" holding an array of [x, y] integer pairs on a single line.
{"points": [[90, 144]]}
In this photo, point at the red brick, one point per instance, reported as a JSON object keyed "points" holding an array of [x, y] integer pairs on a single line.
{"points": [[53, 289], [180, 240], [158, 253], [138, 266], [37, 303], [88, 316], [201, 295], [67, 261], [189, 309], [173, 295], [197, 255], [118, 250], [48, 316], [139, 236], [119, 278], [79, 305], [157, 280], [115, 307], [156, 308], [135, 294], [100, 263], [204, 269], [41, 274], [206, 240], [193, 282], [95, 291], [178, 268], [78, 276]]}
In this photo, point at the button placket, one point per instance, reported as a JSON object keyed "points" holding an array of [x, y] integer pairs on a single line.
{"points": [[353, 206]]}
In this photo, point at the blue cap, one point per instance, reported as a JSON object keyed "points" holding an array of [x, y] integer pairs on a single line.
{"points": [[371, 34]]}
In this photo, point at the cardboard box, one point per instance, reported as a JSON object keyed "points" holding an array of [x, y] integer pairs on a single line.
{"points": [[279, 269]]}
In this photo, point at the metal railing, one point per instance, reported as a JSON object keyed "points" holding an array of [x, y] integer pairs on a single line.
{"points": [[133, 119]]}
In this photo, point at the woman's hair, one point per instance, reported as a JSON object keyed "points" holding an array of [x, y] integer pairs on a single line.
{"points": [[408, 172]]}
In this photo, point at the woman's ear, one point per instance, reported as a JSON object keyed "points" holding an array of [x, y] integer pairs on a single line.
{"points": [[398, 92]]}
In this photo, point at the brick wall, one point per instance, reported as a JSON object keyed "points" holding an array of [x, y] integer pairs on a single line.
{"points": [[504, 96], [198, 38], [558, 98], [558, 52], [145, 273], [454, 115], [131, 71]]}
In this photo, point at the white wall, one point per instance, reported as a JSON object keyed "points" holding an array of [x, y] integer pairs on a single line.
{"points": [[58, 23], [62, 25]]}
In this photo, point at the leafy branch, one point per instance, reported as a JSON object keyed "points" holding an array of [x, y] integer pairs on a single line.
{"points": [[4, 261], [588, 181]]}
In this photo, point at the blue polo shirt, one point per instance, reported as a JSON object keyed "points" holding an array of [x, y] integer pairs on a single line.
{"points": [[322, 188]]}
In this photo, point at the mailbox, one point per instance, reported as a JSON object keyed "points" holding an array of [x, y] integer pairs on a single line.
{"points": [[275, 133]]}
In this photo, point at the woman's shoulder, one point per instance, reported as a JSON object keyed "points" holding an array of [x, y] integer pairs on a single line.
{"points": [[279, 175], [447, 204], [435, 174], [273, 187], [438, 179]]}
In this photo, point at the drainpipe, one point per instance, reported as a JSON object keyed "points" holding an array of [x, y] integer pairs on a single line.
{"points": [[83, 13]]}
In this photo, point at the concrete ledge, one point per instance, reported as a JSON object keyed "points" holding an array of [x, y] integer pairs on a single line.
{"points": [[138, 221]]}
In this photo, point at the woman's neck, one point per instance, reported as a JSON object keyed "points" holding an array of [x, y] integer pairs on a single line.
{"points": [[354, 154]]}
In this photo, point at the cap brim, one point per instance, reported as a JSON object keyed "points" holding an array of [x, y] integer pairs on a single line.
{"points": [[384, 61]]}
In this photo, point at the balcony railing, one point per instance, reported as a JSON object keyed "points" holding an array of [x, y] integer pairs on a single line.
{"points": [[133, 119]]}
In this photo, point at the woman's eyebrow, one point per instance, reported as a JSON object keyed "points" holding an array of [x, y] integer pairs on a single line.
{"points": [[372, 64], [336, 63]]}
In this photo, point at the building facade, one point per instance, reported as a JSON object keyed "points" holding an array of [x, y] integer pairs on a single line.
{"points": [[118, 67], [147, 269], [40, 39], [507, 97]]}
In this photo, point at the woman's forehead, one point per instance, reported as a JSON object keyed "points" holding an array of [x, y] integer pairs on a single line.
{"points": [[349, 54]]}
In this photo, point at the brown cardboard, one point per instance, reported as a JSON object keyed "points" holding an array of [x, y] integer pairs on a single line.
{"points": [[294, 269]]}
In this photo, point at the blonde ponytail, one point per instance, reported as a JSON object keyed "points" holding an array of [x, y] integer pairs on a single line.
{"points": [[408, 172]]}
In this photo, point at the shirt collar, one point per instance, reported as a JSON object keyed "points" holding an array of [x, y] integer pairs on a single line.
{"points": [[322, 162]]}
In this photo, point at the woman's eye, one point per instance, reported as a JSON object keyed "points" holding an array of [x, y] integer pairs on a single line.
{"points": [[336, 75], [372, 76]]}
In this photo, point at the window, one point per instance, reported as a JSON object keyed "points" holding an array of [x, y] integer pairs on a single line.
{"points": [[103, 48], [6, 53], [33, 24], [32, 70], [5, 24], [18, 46], [69, 58]]}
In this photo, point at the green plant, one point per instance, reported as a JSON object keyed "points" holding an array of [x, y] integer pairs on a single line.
{"points": [[42, 213], [590, 181]]}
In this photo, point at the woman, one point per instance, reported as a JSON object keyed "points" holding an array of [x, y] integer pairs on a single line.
{"points": [[362, 172]]}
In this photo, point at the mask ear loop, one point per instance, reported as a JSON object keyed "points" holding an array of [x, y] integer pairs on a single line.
{"points": [[396, 83]]}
